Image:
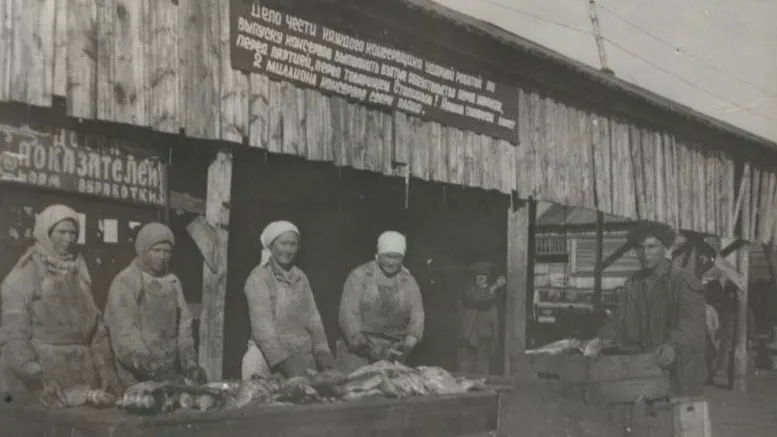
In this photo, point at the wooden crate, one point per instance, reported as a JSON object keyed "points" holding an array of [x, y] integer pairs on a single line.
{"points": [[607, 379]]}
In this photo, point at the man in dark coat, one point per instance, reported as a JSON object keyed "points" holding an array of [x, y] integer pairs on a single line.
{"points": [[479, 325], [662, 310]]}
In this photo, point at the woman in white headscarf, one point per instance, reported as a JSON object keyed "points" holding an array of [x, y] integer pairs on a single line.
{"points": [[54, 338], [381, 310], [287, 335]]}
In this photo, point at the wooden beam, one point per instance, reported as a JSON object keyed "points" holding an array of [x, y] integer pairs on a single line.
{"points": [[615, 256], [740, 260], [598, 270], [767, 248], [520, 265], [214, 284]]}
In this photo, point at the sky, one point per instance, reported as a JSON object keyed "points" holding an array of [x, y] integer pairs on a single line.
{"points": [[718, 57]]}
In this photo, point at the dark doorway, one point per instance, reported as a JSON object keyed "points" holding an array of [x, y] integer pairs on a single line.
{"points": [[341, 212]]}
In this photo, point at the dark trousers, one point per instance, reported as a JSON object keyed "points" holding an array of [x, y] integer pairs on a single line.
{"points": [[475, 359]]}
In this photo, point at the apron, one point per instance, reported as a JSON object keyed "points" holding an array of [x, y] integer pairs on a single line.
{"points": [[63, 320], [291, 316], [159, 318], [385, 315]]}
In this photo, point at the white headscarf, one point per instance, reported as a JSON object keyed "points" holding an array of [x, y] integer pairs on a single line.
{"points": [[270, 233], [392, 242]]}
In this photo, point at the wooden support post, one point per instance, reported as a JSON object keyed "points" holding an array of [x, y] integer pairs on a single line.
{"points": [[520, 265], [740, 260], [598, 270], [214, 284]]}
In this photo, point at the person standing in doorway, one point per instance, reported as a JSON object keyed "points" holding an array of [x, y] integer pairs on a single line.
{"points": [[148, 317], [53, 335], [479, 328], [287, 335], [381, 310], [661, 311]]}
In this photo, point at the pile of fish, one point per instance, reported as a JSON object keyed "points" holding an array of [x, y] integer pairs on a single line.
{"points": [[379, 380], [568, 346]]}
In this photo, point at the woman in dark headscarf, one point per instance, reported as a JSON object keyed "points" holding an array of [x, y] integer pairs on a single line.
{"points": [[147, 316], [53, 335]]}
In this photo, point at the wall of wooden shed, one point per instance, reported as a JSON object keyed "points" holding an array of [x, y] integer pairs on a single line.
{"points": [[166, 66]]}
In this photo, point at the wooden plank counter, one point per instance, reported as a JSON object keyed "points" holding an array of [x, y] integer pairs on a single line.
{"points": [[471, 414]]}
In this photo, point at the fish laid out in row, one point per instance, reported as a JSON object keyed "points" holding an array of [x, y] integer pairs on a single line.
{"points": [[379, 380]]}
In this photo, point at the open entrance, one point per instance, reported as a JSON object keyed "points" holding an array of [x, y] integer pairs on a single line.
{"points": [[340, 213]]}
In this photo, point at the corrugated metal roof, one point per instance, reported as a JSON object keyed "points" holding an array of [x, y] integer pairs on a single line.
{"points": [[589, 72]]}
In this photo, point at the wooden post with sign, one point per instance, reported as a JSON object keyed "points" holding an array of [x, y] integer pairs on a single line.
{"points": [[211, 235]]}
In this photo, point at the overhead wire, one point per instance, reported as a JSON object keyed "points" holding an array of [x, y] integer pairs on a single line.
{"points": [[682, 51], [634, 54]]}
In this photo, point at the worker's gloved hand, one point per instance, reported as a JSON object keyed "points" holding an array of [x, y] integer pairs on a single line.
{"points": [[358, 342], [665, 355], [325, 360], [593, 348], [409, 344], [196, 373], [293, 367], [52, 395]]}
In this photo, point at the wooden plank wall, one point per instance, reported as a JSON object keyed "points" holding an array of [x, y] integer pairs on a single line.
{"points": [[166, 66]]}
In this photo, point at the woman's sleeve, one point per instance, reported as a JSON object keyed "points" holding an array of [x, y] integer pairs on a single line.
{"points": [[186, 352], [121, 314], [350, 303], [417, 315], [16, 330], [315, 326], [262, 320]]}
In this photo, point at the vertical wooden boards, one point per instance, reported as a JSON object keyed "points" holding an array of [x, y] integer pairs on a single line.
{"points": [[647, 145], [624, 189], [586, 151], [672, 180], [275, 116], [59, 87], [81, 59], [105, 65], [710, 192], [319, 127], [233, 93], [376, 140], [214, 285], [518, 264], [637, 170], [456, 156], [419, 148], [659, 177], [602, 163], [400, 153], [542, 110], [164, 67], [525, 153], [129, 62], [259, 110], [201, 68], [7, 21], [292, 118], [438, 153], [32, 63], [509, 167]]}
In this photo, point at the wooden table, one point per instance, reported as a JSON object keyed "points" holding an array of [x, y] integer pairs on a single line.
{"points": [[465, 415]]}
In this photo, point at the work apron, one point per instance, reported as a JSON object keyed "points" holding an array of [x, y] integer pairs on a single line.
{"points": [[291, 326], [63, 320], [385, 316]]}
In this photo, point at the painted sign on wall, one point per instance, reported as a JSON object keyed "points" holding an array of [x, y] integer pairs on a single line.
{"points": [[278, 43], [85, 164]]}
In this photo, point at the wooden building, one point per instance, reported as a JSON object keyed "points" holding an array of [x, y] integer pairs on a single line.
{"points": [[195, 72]]}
